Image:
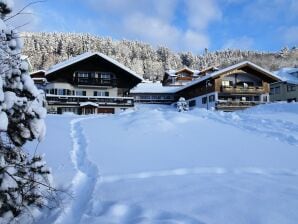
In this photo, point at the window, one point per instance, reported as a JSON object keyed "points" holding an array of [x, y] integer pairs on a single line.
{"points": [[271, 91], [291, 88], [192, 103], [94, 75], [101, 93], [225, 83], [83, 74], [61, 91], [105, 75], [156, 97], [211, 98], [277, 90], [204, 100], [145, 97], [80, 93], [168, 97], [265, 98]]}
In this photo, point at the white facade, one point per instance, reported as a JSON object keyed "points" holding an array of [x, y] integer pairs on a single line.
{"points": [[207, 101], [58, 87]]}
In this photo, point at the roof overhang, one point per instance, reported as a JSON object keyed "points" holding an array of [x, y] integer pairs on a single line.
{"points": [[87, 55]]}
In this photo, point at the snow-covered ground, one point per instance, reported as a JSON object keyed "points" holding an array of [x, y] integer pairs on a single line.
{"points": [[155, 165]]}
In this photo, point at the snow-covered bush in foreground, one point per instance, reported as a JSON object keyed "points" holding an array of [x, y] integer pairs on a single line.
{"points": [[23, 180], [182, 105]]}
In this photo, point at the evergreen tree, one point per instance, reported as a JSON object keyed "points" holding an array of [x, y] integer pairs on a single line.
{"points": [[23, 180]]}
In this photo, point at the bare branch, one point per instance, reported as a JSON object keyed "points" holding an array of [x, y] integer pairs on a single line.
{"points": [[22, 10]]}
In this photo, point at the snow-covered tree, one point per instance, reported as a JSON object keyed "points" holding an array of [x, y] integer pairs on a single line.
{"points": [[182, 105], [23, 180], [50, 48]]}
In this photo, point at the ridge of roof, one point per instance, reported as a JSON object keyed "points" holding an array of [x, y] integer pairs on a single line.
{"points": [[86, 55], [231, 67]]}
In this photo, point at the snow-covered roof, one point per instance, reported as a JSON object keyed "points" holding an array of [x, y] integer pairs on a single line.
{"points": [[171, 72], [285, 74], [232, 67], [157, 87], [185, 69], [174, 73], [37, 71], [88, 104], [83, 56]]}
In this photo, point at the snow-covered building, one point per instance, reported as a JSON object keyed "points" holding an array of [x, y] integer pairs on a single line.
{"points": [[235, 87], [39, 78], [180, 77], [154, 93], [90, 83], [287, 88]]}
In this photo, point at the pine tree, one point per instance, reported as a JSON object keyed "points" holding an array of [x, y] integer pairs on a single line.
{"points": [[23, 180]]}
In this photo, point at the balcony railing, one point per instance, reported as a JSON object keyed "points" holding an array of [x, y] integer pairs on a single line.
{"points": [[100, 100], [95, 81], [229, 105], [241, 89]]}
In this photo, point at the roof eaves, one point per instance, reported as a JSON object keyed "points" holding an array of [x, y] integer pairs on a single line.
{"points": [[81, 57]]}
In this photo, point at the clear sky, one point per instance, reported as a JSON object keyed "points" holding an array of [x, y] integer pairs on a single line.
{"points": [[182, 25]]}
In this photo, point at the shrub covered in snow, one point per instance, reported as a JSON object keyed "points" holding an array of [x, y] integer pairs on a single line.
{"points": [[22, 111], [182, 105]]}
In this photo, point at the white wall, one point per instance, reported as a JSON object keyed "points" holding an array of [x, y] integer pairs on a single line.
{"points": [[113, 92], [210, 104]]}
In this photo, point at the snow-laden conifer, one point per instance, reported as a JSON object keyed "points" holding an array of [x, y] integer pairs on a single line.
{"points": [[23, 179]]}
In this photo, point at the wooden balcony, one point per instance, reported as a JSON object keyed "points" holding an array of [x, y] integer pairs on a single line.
{"points": [[241, 89], [100, 100], [227, 105], [94, 82]]}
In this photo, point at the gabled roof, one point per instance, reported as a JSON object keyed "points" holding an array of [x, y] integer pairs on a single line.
{"points": [[86, 55], [185, 69], [230, 68], [210, 68]]}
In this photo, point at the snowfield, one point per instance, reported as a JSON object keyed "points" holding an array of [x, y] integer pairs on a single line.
{"points": [[155, 165]]}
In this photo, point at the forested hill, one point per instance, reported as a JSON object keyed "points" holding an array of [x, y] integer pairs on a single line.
{"points": [[46, 49]]}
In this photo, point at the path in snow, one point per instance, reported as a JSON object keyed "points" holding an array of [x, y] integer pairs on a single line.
{"points": [[85, 179]]}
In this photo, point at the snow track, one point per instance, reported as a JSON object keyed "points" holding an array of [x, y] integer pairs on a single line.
{"points": [[84, 182]]}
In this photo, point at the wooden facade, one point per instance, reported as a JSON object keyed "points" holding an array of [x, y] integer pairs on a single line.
{"points": [[179, 77], [236, 87]]}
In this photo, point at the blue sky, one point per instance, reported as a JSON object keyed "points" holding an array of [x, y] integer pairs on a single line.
{"points": [[181, 25]]}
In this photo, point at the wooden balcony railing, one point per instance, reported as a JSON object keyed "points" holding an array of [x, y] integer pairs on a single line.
{"points": [[241, 89], [236, 104], [95, 81]]}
